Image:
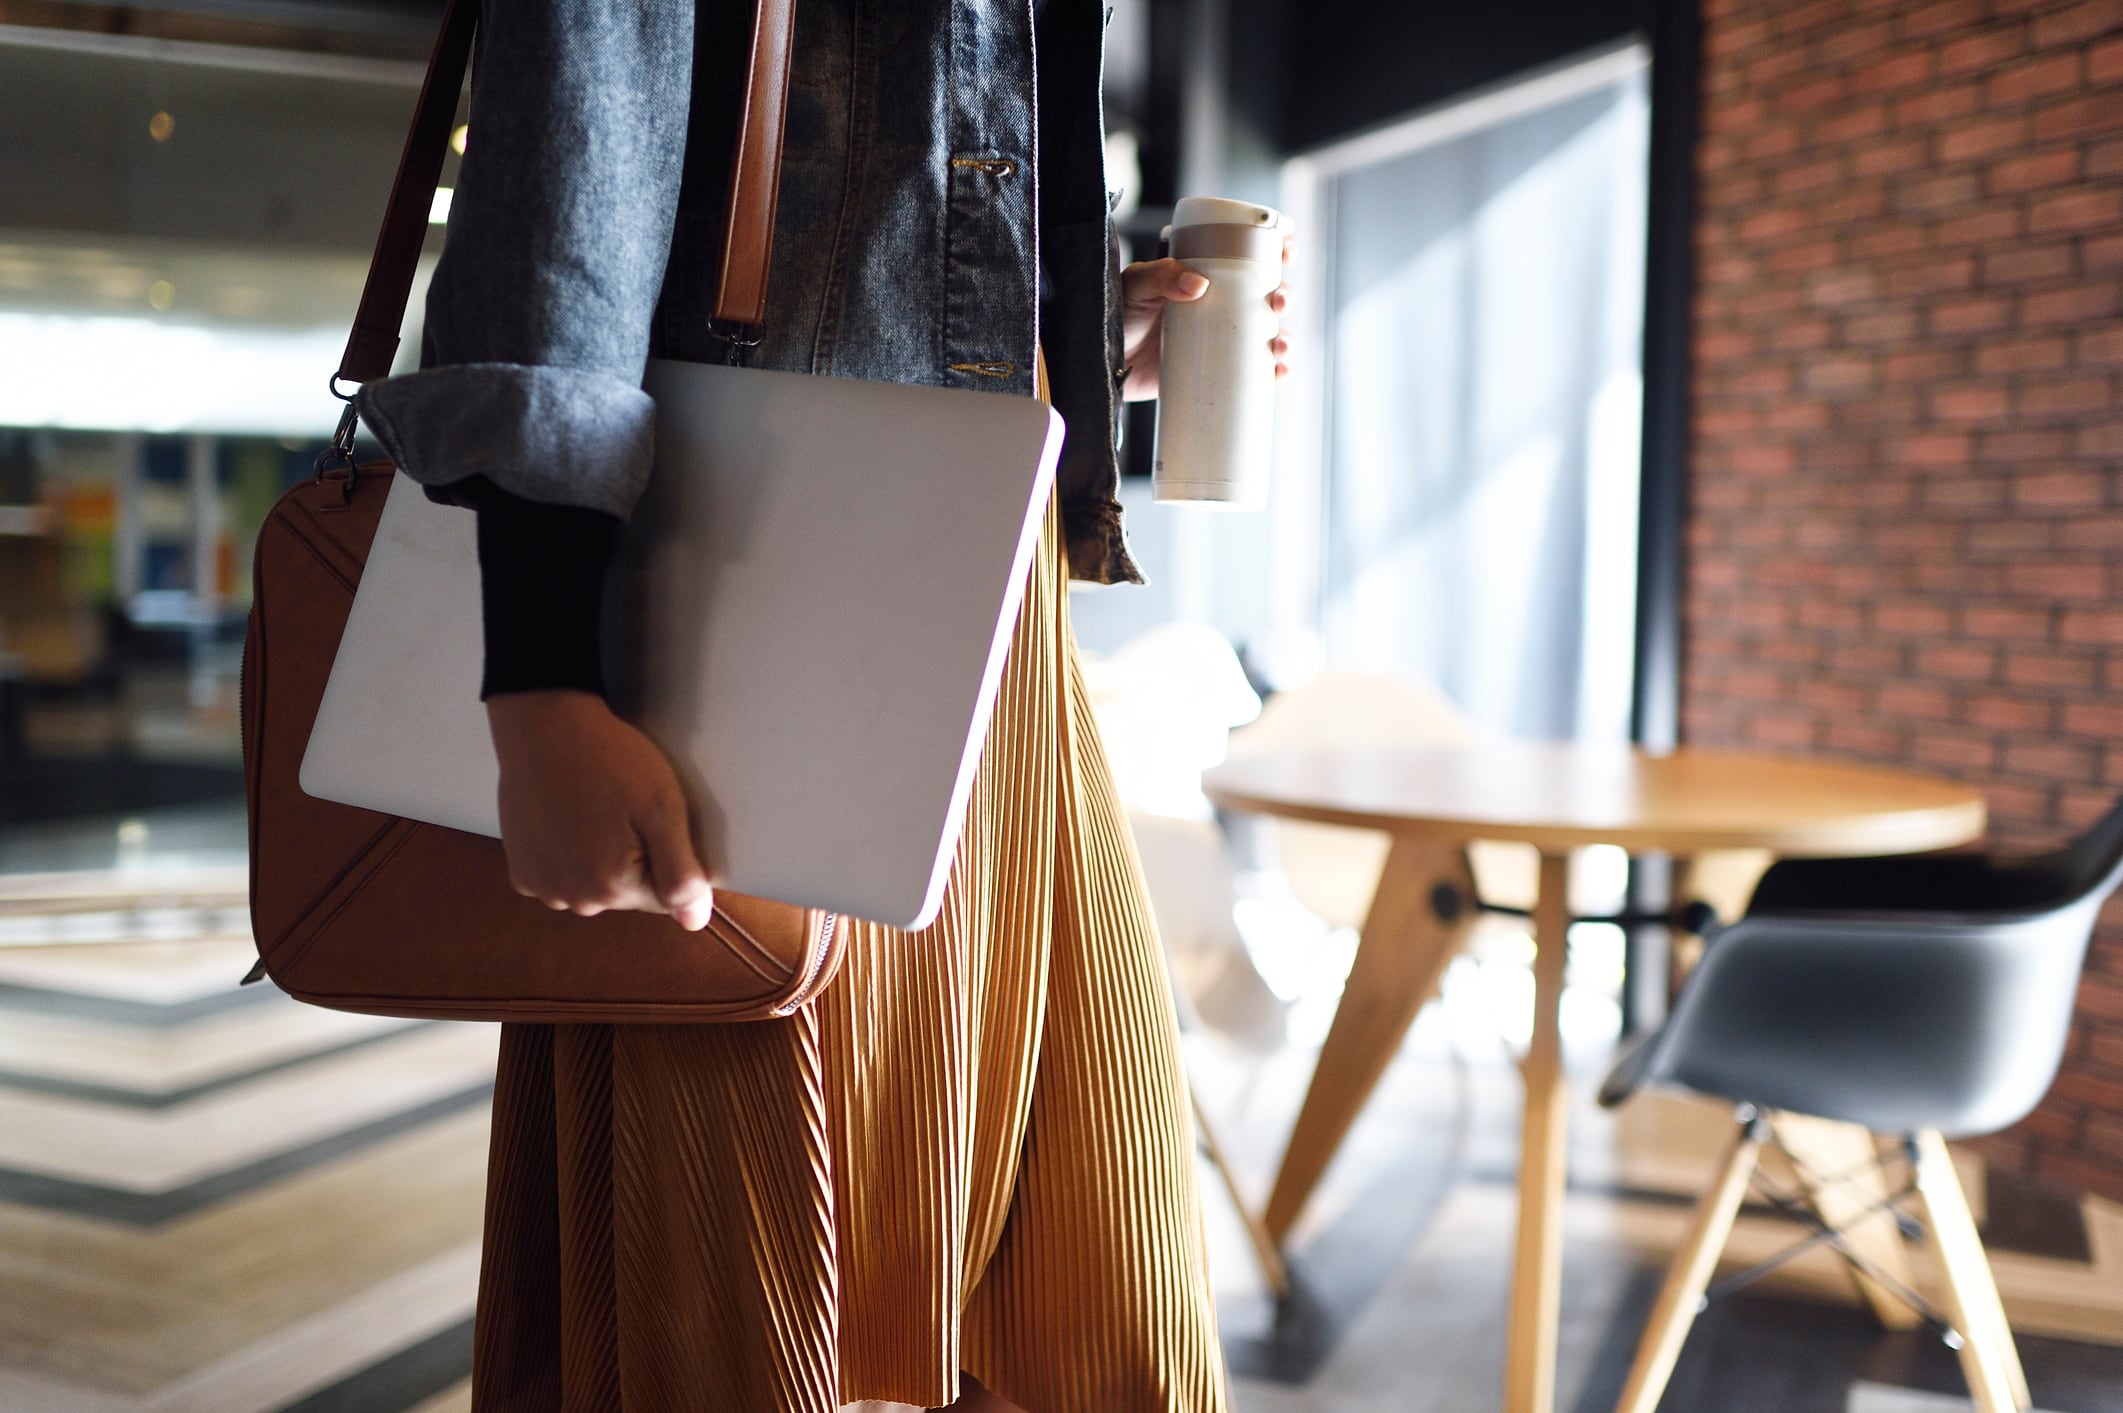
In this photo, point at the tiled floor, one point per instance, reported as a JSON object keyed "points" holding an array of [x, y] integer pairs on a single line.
{"points": [[213, 1198]]}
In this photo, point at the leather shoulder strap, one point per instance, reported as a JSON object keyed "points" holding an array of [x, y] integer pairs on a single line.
{"points": [[374, 342], [755, 181], [755, 171]]}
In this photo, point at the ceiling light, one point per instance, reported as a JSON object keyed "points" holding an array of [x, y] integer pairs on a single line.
{"points": [[457, 137], [147, 374], [161, 126], [439, 208]]}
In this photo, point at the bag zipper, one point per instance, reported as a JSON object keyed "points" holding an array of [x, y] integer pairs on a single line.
{"points": [[818, 964]]}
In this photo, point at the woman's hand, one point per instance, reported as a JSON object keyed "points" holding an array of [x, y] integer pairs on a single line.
{"points": [[1146, 287], [592, 816]]}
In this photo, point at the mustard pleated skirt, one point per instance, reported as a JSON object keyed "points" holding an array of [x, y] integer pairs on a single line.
{"points": [[972, 1152]]}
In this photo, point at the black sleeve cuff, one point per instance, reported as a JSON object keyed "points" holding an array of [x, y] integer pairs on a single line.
{"points": [[541, 571]]}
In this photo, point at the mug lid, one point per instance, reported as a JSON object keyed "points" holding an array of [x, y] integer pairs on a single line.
{"points": [[1223, 211]]}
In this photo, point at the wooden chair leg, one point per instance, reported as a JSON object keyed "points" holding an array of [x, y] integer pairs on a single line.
{"points": [[1839, 1166], [1264, 1249], [1689, 1275], [1989, 1360]]}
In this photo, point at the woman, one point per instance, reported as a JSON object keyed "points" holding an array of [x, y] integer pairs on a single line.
{"points": [[971, 1154]]}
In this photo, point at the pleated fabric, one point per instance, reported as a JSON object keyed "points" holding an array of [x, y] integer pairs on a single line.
{"points": [[973, 1151]]}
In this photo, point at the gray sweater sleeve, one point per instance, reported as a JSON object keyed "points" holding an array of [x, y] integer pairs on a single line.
{"points": [[539, 314]]}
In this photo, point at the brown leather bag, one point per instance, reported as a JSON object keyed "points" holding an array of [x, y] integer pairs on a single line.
{"points": [[361, 911]]}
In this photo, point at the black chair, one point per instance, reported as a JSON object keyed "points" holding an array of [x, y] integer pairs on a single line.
{"points": [[1920, 997]]}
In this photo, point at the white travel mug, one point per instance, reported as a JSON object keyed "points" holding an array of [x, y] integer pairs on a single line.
{"points": [[1216, 371]]}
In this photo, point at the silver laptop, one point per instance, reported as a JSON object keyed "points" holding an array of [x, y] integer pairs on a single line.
{"points": [[818, 649]]}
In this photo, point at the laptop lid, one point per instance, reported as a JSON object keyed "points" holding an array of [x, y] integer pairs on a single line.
{"points": [[809, 611]]}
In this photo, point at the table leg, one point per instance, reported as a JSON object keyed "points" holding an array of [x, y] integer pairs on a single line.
{"points": [[1537, 1261], [1400, 957]]}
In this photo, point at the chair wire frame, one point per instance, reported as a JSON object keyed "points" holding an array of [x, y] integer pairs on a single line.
{"points": [[1797, 1208]]}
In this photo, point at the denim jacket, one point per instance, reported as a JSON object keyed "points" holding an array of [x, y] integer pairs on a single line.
{"points": [[943, 158]]}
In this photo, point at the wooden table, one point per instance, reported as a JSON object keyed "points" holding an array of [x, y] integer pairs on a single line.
{"points": [[1695, 805]]}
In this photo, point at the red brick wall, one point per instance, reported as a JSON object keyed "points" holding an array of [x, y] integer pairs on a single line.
{"points": [[1906, 537]]}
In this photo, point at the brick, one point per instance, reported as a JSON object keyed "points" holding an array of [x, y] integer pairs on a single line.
{"points": [[2024, 170], [1977, 402], [1933, 276], [1960, 662], [1967, 141], [2078, 24], [1936, 191], [2103, 344], [2098, 534], [1858, 200], [1842, 287], [2092, 1091], [1975, 314], [1980, 225], [2020, 445], [1725, 40], [2103, 720], [2104, 62], [2059, 490], [2103, 1138], [1949, 749], [1997, 711], [1807, 255], [2099, 439], [1763, 459], [2066, 395], [2038, 77], [1921, 365], [2075, 117], [2100, 998], [2052, 760], [1940, 17], [2072, 305], [1963, 494], [1879, 326], [2081, 210], [1839, 373], [1866, 739], [1834, 698], [2032, 668], [1989, 620], [1772, 140], [1981, 52], [1917, 699], [1884, 158], [1810, 97], [1909, 327], [2059, 581], [2023, 353], [1894, 72], [1775, 729], [2015, 799], [2077, 1174], [1851, 124], [1917, 616], [2021, 264], [1933, 449], [2003, 540], [1764, 226]]}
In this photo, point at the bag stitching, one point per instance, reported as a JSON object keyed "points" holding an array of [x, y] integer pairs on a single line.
{"points": [[356, 891]]}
